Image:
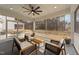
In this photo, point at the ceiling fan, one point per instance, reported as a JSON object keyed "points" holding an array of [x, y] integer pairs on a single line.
{"points": [[33, 10]]}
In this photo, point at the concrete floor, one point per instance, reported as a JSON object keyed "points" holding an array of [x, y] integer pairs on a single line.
{"points": [[70, 50]]}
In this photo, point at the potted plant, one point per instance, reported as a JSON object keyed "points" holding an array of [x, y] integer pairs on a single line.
{"points": [[67, 40]]}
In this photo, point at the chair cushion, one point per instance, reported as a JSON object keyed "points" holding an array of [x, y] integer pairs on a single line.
{"points": [[25, 44]]}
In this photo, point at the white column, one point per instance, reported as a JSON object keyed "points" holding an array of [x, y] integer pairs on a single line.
{"points": [[46, 25], [72, 28], [33, 25], [17, 27], [23, 26], [6, 27]]}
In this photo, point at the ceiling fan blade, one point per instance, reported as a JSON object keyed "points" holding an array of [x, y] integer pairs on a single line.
{"points": [[25, 8], [31, 6], [37, 8], [36, 13], [29, 13], [39, 11], [25, 11]]}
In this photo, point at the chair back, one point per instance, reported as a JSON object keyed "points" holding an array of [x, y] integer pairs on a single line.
{"points": [[17, 43], [26, 37], [33, 35]]}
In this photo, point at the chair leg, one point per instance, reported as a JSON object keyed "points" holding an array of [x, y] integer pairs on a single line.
{"points": [[62, 52], [20, 52], [44, 52], [13, 46], [65, 51], [36, 52]]}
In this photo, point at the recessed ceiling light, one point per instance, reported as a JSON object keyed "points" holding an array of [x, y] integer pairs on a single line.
{"points": [[55, 7], [11, 8]]}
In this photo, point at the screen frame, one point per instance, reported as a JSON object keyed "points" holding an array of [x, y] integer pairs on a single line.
{"points": [[75, 19]]}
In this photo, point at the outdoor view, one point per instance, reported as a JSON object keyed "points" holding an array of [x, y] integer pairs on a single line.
{"points": [[57, 24]]}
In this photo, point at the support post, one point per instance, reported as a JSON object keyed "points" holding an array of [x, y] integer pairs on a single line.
{"points": [[6, 27], [17, 27], [34, 26]]}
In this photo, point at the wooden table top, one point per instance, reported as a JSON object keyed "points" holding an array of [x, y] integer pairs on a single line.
{"points": [[37, 41]]}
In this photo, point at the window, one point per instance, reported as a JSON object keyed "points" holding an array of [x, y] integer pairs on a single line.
{"points": [[14, 27], [19, 26], [61, 23], [2, 27], [28, 25], [67, 22], [40, 25], [11, 31], [51, 24]]}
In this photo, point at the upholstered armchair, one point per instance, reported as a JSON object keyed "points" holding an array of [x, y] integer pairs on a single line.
{"points": [[23, 46], [55, 49]]}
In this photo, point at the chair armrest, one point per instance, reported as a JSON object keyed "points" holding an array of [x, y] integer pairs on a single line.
{"points": [[29, 49], [54, 45], [53, 48]]}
